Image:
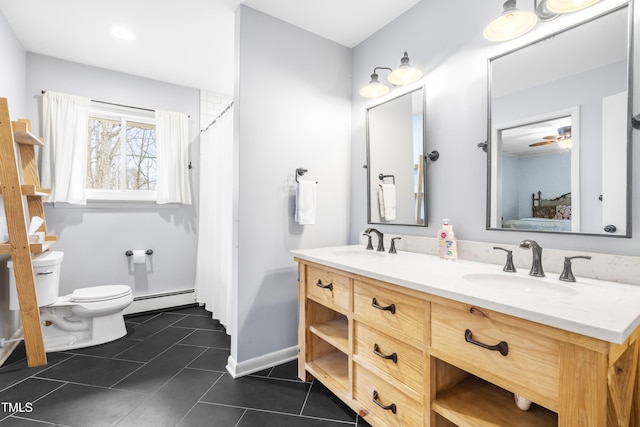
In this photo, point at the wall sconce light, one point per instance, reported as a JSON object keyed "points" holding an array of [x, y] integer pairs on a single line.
{"points": [[510, 24], [375, 89], [514, 23], [404, 75]]}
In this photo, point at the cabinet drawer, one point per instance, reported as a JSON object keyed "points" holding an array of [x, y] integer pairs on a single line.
{"points": [[389, 311], [400, 360], [375, 395], [529, 368], [329, 288]]}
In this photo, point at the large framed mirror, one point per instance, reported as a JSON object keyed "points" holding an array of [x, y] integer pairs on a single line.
{"points": [[395, 160], [559, 128]]}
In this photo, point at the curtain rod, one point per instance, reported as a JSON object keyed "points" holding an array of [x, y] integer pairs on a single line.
{"points": [[118, 105], [216, 119]]}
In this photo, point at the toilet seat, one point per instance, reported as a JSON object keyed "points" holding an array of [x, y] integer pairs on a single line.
{"points": [[99, 293]]}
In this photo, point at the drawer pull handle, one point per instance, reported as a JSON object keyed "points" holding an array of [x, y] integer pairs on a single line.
{"points": [[393, 356], [474, 310], [391, 308], [391, 407], [320, 285], [502, 346]]}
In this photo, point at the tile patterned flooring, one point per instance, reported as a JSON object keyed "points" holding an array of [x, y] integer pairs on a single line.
{"points": [[169, 370]]}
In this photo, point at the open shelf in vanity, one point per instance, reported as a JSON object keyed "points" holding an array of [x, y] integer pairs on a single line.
{"points": [[475, 402], [325, 304], [328, 350], [335, 332], [399, 356], [332, 370]]}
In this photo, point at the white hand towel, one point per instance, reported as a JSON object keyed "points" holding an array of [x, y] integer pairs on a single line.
{"points": [[306, 202], [388, 201]]}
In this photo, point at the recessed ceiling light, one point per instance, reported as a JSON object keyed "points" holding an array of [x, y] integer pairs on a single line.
{"points": [[121, 33]]}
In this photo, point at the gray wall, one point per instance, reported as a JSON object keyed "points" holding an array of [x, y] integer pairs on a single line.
{"points": [[292, 110], [13, 70], [554, 182], [455, 69], [94, 240], [12, 87]]}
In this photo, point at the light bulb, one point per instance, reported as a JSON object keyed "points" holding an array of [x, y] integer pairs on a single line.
{"points": [[567, 6], [121, 33], [510, 24]]}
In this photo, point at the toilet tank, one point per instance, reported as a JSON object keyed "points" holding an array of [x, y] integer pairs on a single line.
{"points": [[46, 268]]}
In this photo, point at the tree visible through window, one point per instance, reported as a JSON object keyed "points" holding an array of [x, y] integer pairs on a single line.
{"points": [[103, 155], [141, 156], [121, 155]]}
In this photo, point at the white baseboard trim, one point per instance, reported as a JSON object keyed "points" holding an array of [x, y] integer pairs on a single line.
{"points": [[153, 302], [8, 349], [259, 363]]}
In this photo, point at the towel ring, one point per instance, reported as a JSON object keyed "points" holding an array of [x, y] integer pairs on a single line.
{"points": [[300, 172], [382, 176]]}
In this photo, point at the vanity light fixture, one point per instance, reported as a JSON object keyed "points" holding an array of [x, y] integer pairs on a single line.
{"points": [[514, 23], [404, 75], [511, 23], [567, 6]]}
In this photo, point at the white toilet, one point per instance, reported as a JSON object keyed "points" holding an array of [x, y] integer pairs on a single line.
{"points": [[86, 317]]}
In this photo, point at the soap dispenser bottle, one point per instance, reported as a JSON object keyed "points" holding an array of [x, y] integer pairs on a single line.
{"points": [[447, 242], [442, 238]]}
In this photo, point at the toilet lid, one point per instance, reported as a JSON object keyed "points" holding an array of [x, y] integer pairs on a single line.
{"points": [[100, 293]]}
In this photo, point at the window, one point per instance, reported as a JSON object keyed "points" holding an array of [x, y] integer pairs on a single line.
{"points": [[121, 154]]}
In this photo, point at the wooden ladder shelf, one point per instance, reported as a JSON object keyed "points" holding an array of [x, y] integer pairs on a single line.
{"points": [[19, 180]]}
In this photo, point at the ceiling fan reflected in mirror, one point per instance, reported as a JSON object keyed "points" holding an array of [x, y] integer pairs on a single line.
{"points": [[563, 139]]}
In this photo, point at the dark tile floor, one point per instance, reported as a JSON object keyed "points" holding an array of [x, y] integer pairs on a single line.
{"points": [[169, 370]]}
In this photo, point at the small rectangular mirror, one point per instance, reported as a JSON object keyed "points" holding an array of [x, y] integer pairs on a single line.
{"points": [[395, 161]]}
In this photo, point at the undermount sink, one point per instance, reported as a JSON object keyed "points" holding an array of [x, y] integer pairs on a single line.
{"points": [[531, 285]]}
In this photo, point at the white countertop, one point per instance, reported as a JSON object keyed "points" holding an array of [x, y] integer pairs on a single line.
{"points": [[600, 309]]}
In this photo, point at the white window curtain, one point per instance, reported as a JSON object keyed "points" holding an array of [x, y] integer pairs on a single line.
{"points": [[172, 141], [214, 266], [64, 154]]}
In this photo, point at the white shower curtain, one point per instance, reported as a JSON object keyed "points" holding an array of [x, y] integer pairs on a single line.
{"points": [[214, 271]]}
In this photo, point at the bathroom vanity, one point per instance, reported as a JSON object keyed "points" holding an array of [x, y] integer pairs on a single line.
{"points": [[413, 340]]}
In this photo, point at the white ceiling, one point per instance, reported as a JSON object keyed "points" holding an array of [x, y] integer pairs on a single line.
{"points": [[187, 42], [517, 141]]}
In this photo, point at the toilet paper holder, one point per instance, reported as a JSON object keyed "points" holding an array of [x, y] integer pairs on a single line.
{"points": [[147, 252]]}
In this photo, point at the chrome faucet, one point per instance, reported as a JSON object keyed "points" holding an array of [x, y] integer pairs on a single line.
{"points": [[536, 251], [380, 238]]}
